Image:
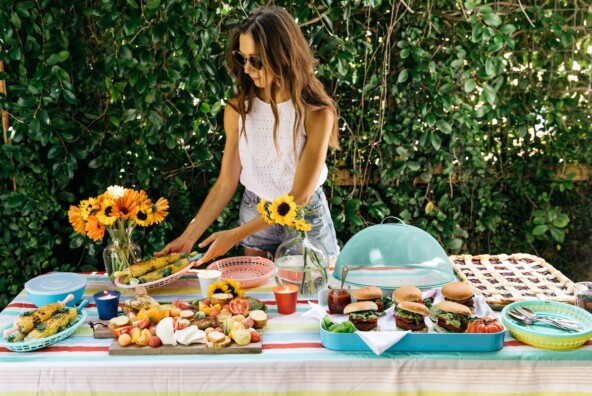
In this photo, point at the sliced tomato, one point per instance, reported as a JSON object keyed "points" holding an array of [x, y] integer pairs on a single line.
{"points": [[120, 330], [142, 324], [238, 306]]}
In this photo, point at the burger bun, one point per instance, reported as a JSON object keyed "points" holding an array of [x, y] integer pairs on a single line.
{"points": [[457, 291], [407, 293], [414, 307], [360, 306], [449, 306], [367, 293]]}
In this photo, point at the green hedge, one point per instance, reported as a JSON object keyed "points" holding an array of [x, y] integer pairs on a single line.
{"points": [[457, 117]]}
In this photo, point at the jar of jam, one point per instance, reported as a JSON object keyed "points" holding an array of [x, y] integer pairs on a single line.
{"points": [[338, 299]]}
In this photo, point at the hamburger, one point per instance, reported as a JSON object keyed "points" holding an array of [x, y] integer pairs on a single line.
{"points": [[363, 314], [369, 293], [460, 293], [410, 316], [450, 317], [407, 293]]}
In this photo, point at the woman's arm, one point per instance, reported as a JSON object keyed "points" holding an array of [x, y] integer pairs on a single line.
{"points": [[220, 194], [318, 125]]}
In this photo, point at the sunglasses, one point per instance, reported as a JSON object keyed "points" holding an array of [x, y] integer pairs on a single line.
{"points": [[242, 60]]}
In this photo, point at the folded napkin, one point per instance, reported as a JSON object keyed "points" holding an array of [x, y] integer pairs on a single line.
{"points": [[377, 341]]}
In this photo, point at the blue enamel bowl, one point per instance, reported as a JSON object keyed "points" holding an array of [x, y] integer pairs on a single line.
{"points": [[54, 287]]}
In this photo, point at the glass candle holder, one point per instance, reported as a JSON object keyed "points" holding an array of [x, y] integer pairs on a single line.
{"points": [[286, 297], [107, 303], [584, 295]]}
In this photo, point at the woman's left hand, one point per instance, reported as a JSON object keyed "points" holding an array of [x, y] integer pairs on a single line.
{"points": [[219, 243]]}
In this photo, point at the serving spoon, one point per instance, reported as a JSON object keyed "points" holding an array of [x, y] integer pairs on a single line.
{"points": [[344, 272]]}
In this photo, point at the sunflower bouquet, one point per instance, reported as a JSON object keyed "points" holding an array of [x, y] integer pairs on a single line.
{"points": [[226, 286], [117, 210], [298, 254]]}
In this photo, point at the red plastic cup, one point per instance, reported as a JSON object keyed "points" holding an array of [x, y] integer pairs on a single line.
{"points": [[286, 297]]}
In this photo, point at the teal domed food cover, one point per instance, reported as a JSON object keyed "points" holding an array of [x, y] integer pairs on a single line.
{"points": [[391, 255]]}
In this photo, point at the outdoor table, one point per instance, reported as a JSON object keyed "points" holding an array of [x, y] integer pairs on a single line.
{"points": [[293, 360]]}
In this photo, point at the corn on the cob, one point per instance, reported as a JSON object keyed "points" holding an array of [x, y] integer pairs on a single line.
{"points": [[53, 325], [165, 271], [16, 337], [155, 263], [29, 320]]}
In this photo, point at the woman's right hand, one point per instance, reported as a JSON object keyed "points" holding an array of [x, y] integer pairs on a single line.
{"points": [[179, 245]]}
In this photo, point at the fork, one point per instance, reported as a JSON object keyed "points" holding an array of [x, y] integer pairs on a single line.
{"points": [[528, 321], [534, 316]]}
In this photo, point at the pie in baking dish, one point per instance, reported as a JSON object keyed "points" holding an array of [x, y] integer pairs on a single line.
{"points": [[504, 279]]}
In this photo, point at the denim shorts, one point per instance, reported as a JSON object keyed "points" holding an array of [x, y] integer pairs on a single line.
{"points": [[268, 240]]}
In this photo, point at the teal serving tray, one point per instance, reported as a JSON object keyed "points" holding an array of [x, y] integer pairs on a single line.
{"points": [[420, 342]]}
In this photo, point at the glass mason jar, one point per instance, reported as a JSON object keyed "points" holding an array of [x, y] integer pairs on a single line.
{"points": [[121, 251], [302, 262]]}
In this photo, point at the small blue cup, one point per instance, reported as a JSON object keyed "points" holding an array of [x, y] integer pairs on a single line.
{"points": [[107, 303]]}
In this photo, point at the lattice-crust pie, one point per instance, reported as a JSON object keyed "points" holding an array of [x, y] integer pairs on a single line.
{"points": [[504, 279]]}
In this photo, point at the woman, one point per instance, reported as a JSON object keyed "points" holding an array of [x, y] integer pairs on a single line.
{"points": [[278, 130]]}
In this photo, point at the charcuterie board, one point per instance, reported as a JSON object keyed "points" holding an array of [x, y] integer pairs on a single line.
{"points": [[193, 349]]}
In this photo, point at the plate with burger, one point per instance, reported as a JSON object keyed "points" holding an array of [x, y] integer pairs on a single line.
{"points": [[442, 328]]}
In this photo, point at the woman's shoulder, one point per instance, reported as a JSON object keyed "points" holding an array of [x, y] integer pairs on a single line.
{"points": [[319, 116], [232, 103]]}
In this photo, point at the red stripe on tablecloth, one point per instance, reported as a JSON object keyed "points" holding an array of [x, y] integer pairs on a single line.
{"points": [[295, 345], [21, 305]]}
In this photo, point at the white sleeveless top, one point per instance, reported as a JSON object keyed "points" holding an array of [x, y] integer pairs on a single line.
{"points": [[265, 171]]}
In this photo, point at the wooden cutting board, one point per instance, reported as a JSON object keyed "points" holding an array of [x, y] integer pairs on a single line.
{"points": [[194, 349]]}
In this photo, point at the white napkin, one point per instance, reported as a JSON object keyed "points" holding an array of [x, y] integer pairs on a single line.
{"points": [[377, 341]]}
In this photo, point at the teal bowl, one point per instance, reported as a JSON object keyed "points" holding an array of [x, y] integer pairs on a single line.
{"points": [[54, 287]]}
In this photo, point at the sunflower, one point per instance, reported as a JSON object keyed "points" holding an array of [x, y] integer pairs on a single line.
{"points": [[95, 230], [144, 216], [106, 214], [143, 199], [75, 218], [228, 286], [126, 206], [159, 210], [283, 210], [262, 208], [302, 225], [87, 207]]}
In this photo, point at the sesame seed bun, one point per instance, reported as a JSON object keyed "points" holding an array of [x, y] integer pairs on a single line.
{"points": [[453, 307], [360, 306], [414, 307], [458, 291], [407, 293], [367, 293]]}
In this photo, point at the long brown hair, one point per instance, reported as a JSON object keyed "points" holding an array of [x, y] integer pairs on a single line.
{"points": [[286, 54]]}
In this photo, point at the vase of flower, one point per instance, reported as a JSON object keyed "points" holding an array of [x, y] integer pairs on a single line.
{"points": [[121, 251], [302, 262]]}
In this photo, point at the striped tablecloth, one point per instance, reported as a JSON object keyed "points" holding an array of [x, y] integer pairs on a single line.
{"points": [[293, 362]]}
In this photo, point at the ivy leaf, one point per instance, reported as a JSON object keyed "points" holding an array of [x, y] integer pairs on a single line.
{"points": [[58, 58], [470, 85], [540, 230], [436, 141], [403, 75], [414, 166], [430, 119], [492, 19], [454, 244], [152, 4], [561, 221], [490, 94], [444, 127], [557, 234], [508, 29]]}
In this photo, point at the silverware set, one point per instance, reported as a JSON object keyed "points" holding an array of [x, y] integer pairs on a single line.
{"points": [[526, 316]]}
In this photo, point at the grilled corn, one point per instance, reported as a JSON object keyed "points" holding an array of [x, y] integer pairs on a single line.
{"points": [[165, 271], [151, 265], [52, 326], [16, 337], [29, 320]]}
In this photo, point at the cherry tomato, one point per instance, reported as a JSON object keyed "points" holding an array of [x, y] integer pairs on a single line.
{"points": [[255, 336], [120, 330], [238, 306]]}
